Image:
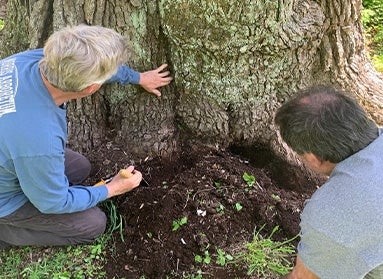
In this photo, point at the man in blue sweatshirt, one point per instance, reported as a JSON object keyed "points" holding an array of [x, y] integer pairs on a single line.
{"points": [[41, 199]]}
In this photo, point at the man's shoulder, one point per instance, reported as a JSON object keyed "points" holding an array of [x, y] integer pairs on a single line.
{"points": [[350, 199], [31, 54], [38, 52]]}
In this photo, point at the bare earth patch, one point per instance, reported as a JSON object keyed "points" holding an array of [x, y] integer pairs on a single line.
{"points": [[205, 186]]}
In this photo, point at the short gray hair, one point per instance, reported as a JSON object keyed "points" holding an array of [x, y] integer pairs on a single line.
{"points": [[76, 57], [326, 122]]}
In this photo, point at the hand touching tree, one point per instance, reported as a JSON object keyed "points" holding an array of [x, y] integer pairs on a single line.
{"points": [[152, 80]]}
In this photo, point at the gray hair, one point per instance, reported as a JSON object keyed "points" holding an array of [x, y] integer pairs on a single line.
{"points": [[76, 57]]}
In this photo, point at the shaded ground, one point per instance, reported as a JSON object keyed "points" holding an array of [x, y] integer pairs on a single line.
{"points": [[201, 181]]}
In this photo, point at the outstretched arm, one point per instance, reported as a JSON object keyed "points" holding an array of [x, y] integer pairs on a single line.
{"points": [[149, 80], [152, 80]]}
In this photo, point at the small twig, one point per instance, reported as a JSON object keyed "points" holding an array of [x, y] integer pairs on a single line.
{"points": [[187, 199]]}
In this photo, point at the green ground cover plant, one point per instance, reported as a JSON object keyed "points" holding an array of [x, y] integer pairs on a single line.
{"points": [[77, 262], [265, 257], [71, 262], [179, 223], [372, 19]]}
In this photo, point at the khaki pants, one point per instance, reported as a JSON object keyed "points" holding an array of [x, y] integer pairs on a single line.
{"points": [[28, 226]]}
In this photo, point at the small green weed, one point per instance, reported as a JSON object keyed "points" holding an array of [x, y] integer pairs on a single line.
{"points": [[116, 220], [220, 209], [249, 179], [197, 275], [238, 206], [275, 197], [266, 257], [179, 223], [223, 257], [218, 184], [1, 24], [205, 258]]}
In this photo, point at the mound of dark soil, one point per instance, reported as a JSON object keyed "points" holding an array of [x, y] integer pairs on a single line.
{"points": [[207, 187]]}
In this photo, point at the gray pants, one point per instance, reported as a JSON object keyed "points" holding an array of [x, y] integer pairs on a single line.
{"points": [[28, 226]]}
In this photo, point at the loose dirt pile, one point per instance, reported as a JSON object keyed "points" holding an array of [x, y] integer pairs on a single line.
{"points": [[207, 187]]}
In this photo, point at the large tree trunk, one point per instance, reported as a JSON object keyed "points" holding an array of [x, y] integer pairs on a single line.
{"points": [[234, 63], [237, 62]]}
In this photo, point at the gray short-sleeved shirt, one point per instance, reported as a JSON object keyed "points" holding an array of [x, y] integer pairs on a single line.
{"points": [[342, 223]]}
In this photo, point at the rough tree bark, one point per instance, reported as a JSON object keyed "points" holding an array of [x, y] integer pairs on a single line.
{"points": [[234, 63], [142, 122]]}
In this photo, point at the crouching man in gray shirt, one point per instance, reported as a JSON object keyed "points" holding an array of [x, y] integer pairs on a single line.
{"points": [[342, 223]]}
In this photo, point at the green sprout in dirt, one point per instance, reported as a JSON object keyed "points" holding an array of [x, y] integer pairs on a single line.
{"points": [[223, 257], [205, 258], [220, 209], [275, 197], [238, 206], [116, 220], [266, 257], [149, 235], [249, 179], [217, 184], [179, 223]]}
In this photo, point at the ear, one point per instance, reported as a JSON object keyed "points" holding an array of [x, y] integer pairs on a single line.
{"points": [[89, 90], [317, 164], [313, 160]]}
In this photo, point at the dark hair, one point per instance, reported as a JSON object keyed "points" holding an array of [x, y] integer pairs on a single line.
{"points": [[325, 122]]}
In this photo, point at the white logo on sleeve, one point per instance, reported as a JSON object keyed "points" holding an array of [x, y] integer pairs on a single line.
{"points": [[8, 86]]}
